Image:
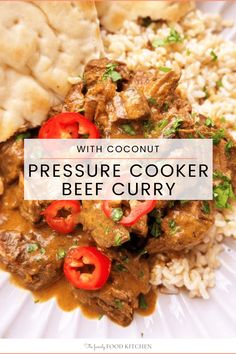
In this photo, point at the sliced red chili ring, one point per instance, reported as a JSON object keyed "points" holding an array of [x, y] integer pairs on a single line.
{"points": [[67, 221], [135, 214], [68, 126], [87, 268]]}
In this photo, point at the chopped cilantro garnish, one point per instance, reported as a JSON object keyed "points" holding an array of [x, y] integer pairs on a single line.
{"points": [[205, 207], [174, 228], [156, 229], [152, 100], [220, 175], [81, 110], [205, 90], [222, 193], [111, 73], [128, 129], [118, 303], [219, 83], [143, 252], [142, 302], [213, 55], [188, 52], [182, 202], [209, 122], [162, 123], [165, 106], [42, 251], [61, 253], [117, 214], [222, 119], [165, 69], [228, 147], [217, 136], [118, 240], [158, 42], [147, 126], [174, 127], [156, 226], [120, 268], [32, 247], [200, 134], [23, 136], [173, 37]]}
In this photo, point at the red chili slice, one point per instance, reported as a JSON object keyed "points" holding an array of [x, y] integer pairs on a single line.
{"points": [[135, 213], [68, 126], [87, 268], [62, 223]]}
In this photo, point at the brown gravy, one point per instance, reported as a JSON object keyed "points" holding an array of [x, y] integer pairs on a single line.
{"points": [[11, 219]]}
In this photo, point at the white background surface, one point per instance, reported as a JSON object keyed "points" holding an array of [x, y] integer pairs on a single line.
{"points": [[176, 316]]}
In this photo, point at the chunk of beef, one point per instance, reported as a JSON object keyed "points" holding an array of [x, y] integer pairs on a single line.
{"points": [[31, 210], [183, 227], [95, 69], [74, 101], [104, 230], [12, 159], [119, 297], [33, 256], [157, 86], [129, 104]]}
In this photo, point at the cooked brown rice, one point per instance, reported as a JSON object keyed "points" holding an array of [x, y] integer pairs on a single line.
{"points": [[194, 270]]}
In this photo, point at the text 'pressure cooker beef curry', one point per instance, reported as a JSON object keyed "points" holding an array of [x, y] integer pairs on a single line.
{"points": [[104, 249]]}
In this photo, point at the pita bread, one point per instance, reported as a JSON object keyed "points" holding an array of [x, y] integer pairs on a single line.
{"points": [[112, 14], [42, 44]]}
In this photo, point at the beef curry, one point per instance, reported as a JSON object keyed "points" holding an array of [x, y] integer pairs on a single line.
{"points": [[103, 255]]}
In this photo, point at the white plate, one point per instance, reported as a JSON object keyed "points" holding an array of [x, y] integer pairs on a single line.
{"points": [[175, 316]]}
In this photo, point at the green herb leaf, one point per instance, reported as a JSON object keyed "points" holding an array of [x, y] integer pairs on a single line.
{"points": [[228, 148], [118, 240], [174, 127], [156, 230], [128, 129], [174, 37], [61, 253], [200, 134], [219, 83], [165, 69], [213, 55], [23, 136], [120, 268], [32, 247], [220, 175], [209, 122], [118, 303], [205, 90], [162, 123], [142, 302], [42, 251], [174, 228], [117, 214], [222, 193], [217, 136], [205, 207], [158, 42], [111, 73], [152, 100], [165, 106]]}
